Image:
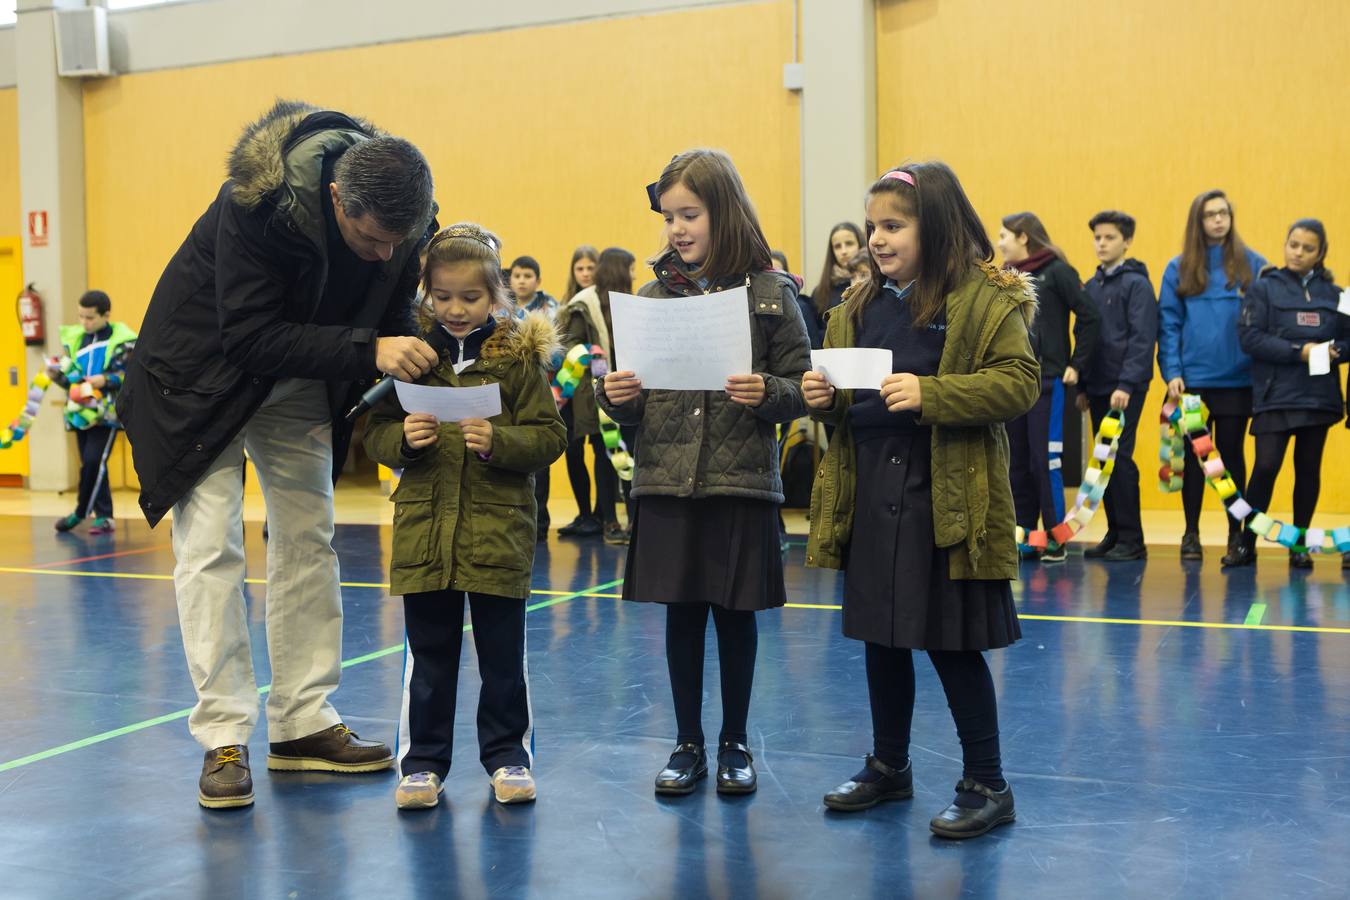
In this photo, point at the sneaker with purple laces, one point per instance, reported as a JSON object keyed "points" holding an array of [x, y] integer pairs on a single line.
{"points": [[513, 784]]}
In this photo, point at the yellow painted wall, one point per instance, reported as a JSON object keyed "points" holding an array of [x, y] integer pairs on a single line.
{"points": [[13, 461], [9, 162], [546, 135], [1065, 108]]}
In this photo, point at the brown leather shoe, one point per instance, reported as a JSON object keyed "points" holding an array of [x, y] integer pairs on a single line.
{"points": [[335, 749], [226, 780]]}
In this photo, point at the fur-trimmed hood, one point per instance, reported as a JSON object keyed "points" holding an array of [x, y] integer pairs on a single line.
{"points": [[258, 165], [520, 339], [1018, 287]]}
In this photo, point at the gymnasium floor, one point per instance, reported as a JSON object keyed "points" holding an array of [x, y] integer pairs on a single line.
{"points": [[1170, 731]]}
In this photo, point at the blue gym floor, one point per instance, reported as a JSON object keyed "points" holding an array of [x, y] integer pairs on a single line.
{"points": [[1169, 730]]}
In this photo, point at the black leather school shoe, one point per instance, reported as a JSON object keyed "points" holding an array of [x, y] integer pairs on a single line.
{"points": [[1300, 560], [1241, 551], [736, 779], [1191, 547], [854, 795], [683, 779], [1101, 548], [957, 822]]}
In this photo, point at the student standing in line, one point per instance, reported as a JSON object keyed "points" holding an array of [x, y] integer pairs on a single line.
{"points": [[1285, 314], [523, 276], [1036, 439], [586, 320], [846, 241], [463, 527], [1118, 374], [1199, 353], [707, 487], [581, 271], [913, 501]]}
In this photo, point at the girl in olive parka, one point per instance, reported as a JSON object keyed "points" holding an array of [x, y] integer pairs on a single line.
{"points": [[913, 500], [464, 520]]}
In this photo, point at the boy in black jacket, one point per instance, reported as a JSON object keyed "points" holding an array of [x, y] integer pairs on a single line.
{"points": [[1119, 373]]}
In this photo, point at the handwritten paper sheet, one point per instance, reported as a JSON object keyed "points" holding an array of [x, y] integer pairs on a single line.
{"points": [[451, 404], [853, 367], [683, 343]]}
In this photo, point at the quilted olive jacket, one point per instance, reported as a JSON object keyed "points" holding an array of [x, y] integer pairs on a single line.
{"points": [[699, 443], [987, 376], [460, 521]]}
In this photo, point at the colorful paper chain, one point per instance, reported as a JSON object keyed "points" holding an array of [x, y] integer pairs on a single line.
{"points": [[578, 361], [1096, 477], [1190, 419], [20, 426], [85, 406]]}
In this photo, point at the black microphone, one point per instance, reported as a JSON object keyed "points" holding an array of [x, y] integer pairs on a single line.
{"points": [[439, 339]]}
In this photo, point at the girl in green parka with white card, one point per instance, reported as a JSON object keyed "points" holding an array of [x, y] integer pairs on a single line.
{"points": [[464, 520], [912, 500]]}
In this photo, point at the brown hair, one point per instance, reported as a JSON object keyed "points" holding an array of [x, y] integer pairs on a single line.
{"points": [[585, 251], [736, 241], [1195, 250], [1038, 239], [465, 242], [614, 272], [952, 239], [821, 295]]}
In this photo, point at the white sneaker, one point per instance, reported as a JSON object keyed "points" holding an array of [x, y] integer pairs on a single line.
{"points": [[420, 790], [513, 784]]}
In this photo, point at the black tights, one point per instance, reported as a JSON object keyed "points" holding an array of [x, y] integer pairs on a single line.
{"points": [[737, 641], [970, 697], [606, 479], [1230, 435], [1308, 445]]}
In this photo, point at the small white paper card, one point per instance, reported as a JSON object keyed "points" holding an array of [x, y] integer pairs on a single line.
{"points": [[451, 404], [683, 343], [854, 367], [1344, 306], [1319, 359]]}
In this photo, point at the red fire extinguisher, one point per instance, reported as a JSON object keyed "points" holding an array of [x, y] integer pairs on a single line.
{"points": [[30, 316]]}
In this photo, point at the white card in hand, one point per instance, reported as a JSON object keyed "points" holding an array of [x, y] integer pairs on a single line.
{"points": [[853, 367], [1344, 306], [1319, 359], [451, 404]]}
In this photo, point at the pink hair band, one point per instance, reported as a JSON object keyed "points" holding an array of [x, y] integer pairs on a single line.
{"points": [[902, 176]]}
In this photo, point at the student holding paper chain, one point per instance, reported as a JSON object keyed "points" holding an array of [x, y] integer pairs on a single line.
{"points": [[1199, 353], [464, 523], [1286, 314], [913, 501], [707, 486]]}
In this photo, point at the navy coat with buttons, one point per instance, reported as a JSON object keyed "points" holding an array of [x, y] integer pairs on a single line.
{"points": [[1280, 313], [1123, 359], [236, 308]]}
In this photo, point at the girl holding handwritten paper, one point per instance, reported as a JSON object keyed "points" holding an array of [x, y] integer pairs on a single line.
{"points": [[706, 488], [1286, 315], [913, 500], [464, 520]]}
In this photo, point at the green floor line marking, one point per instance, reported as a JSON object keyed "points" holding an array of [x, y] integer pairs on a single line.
{"points": [[183, 713], [1255, 614]]}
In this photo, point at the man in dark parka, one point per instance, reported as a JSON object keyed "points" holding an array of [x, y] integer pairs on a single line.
{"points": [[293, 288]]}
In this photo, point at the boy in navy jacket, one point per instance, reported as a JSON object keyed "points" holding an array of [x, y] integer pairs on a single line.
{"points": [[1119, 373]]}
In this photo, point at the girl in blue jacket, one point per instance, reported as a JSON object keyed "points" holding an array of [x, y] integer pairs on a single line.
{"points": [[1286, 313], [1198, 349]]}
